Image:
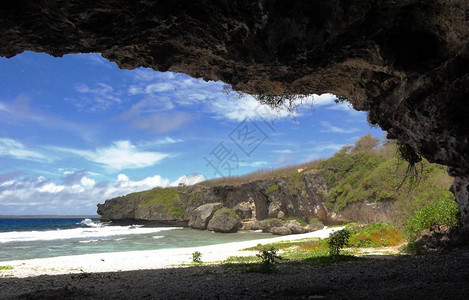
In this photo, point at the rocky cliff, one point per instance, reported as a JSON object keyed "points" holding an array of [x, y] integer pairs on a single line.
{"points": [[356, 184], [405, 62], [301, 196]]}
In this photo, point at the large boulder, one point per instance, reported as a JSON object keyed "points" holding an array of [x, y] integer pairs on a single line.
{"points": [[246, 210], [268, 224], [295, 227], [202, 215], [250, 225], [283, 230], [224, 220]]}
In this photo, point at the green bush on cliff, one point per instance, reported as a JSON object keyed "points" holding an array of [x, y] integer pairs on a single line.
{"points": [[226, 211], [442, 213], [271, 189], [375, 174]]}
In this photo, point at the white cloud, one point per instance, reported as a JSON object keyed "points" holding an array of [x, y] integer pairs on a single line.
{"points": [[87, 182], [152, 114], [158, 87], [149, 74], [124, 182], [255, 164], [189, 179], [282, 151], [163, 141], [4, 108], [331, 128], [51, 188], [82, 196], [118, 156], [328, 147], [97, 98], [15, 149]]}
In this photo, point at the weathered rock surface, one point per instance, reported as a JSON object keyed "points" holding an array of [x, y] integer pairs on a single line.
{"points": [[202, 215], [282, 230], [267, 225], [406, 62], [224, 220], [301, 196], [295, 227]]}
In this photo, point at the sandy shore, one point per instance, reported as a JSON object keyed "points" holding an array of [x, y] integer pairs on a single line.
{"points": [[140, 260]]}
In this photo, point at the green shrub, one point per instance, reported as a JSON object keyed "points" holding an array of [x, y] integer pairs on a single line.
{"points": [[374, 235], [271, 189], [314, 221], [269, 258], [444, 212], [4, 268], [226, 211], [337, 240], [197, 257]]}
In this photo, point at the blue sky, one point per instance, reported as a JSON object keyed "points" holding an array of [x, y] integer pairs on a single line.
{"points": [[77, 130]]}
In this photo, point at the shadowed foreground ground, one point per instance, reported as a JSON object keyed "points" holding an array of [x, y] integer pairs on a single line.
{"points": [[434, 276]]}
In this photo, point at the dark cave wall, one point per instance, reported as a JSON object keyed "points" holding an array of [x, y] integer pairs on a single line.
{"points": [[406, 62]]}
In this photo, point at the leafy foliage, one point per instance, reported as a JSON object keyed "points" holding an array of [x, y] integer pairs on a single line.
{"points": [[165, 199], [376, 174], [197, 257], [374, 235], [272, 189], [444, 212], [338, 240], [414, 167], [4, 268], [269, 256], [226, 211]]}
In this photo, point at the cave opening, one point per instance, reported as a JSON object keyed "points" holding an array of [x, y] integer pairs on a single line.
{"points": [[156, 127]]}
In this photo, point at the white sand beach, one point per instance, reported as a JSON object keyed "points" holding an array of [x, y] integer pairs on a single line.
{"points": [[141, 260]]}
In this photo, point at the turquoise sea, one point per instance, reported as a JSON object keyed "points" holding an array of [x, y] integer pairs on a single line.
{"points": [[27, 238]]}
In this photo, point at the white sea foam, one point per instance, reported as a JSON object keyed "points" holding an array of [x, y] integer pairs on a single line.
{"points": [[157, 236], [90, 223], [78, 233]]}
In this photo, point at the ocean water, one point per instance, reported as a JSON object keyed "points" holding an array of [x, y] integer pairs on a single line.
{"points": [[24, 238]]}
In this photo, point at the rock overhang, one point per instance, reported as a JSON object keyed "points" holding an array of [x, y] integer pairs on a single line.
{"points": [[405, 62]]}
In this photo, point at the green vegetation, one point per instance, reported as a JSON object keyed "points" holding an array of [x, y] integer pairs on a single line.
{"points": [[374, 235], [441, 213], [365, 172], [369, 171], [197, 257], [165, 198], [4, 268], [226, 211], [311, 251], [299, 220], [271, 189], [338, 240], [314, 221], [269, 259]]}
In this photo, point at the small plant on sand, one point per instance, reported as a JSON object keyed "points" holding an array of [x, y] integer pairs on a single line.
{"points": [[197, 257], [338, 240], [4, 268], [269, 258]]}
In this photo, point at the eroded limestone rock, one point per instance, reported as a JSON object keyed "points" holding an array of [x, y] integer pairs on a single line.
{"points": [[202, 215]]}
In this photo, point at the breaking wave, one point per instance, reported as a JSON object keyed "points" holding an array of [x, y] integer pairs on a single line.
{"points": [[91, 231]]}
